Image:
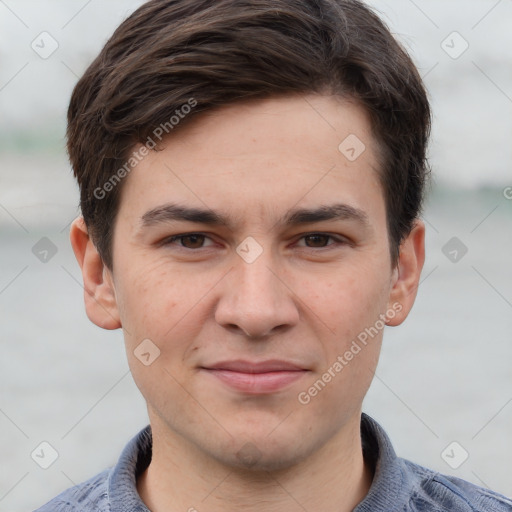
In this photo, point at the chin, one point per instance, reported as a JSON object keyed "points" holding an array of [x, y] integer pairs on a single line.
{"points": [[251, 459], [263, 455]]}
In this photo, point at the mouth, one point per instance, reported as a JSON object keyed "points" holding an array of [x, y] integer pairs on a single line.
{"points": [[261, 377]]}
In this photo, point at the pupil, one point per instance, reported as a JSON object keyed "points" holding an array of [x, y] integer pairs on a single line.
{"points": [[317, 240], [193, 241]]}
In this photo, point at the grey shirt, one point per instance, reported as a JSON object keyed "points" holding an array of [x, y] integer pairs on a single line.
{"points": [[398, 484]]}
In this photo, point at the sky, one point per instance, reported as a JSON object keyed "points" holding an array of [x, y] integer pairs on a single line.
{"points": [[463, 49]]}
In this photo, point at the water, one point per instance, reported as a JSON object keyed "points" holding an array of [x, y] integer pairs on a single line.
{"points": [[443, 375]]}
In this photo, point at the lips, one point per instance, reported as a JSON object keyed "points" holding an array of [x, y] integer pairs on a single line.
{"points": [[256, 377]]}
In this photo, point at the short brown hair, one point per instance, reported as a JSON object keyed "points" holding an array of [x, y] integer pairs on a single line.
{"points": [[169, 53]]}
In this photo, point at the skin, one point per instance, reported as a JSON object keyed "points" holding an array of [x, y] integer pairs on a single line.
{"points": [[304, 299]]}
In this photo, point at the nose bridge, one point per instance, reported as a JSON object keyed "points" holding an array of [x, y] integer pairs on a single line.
{"points": [[255, 280], [255, 300]]}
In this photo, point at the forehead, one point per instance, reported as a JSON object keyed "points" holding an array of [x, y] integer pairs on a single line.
{"points": [[263, 156], [285, 125]]}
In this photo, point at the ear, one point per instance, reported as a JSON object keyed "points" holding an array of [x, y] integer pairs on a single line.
{"points": [[406, 275], [99, 292]]}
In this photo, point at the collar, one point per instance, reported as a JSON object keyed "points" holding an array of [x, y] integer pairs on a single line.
{"points": [[390, 490]]}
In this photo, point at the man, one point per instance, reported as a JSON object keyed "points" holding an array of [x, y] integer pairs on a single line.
{"points": [[251, 178]]}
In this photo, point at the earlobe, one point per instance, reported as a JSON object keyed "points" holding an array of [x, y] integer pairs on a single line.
{"points": [[99, 293], [406, 275]]}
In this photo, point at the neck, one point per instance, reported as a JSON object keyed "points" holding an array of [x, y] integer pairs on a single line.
{"points": [[180, 478]]}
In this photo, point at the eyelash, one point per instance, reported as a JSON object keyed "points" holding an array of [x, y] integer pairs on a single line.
{"points": [[338, 241]]}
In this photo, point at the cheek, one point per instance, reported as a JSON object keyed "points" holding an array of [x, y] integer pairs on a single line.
{"points": [[151, 302], [156, 306], [349, 303], [165, 305], [349, 300], [350, 350]]}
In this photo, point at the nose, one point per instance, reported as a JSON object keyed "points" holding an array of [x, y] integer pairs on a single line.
{"points": [[256, 299]]}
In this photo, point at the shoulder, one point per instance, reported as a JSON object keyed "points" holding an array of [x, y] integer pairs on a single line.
{"points": [[403, 486], [90, 495], [112, 489], [439, 493]]}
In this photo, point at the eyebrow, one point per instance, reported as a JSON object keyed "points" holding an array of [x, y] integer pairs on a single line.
{"points": [[173, 212], [338, 211]]}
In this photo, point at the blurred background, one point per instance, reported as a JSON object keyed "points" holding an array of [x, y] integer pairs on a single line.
{"points": [[443, 388]]}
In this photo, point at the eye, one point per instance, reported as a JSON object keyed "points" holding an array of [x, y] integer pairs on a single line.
{"points": [[319, 240], [189, 241], [316, 240]]}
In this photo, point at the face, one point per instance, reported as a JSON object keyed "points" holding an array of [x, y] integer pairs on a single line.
{"points": [[252, 278]]}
